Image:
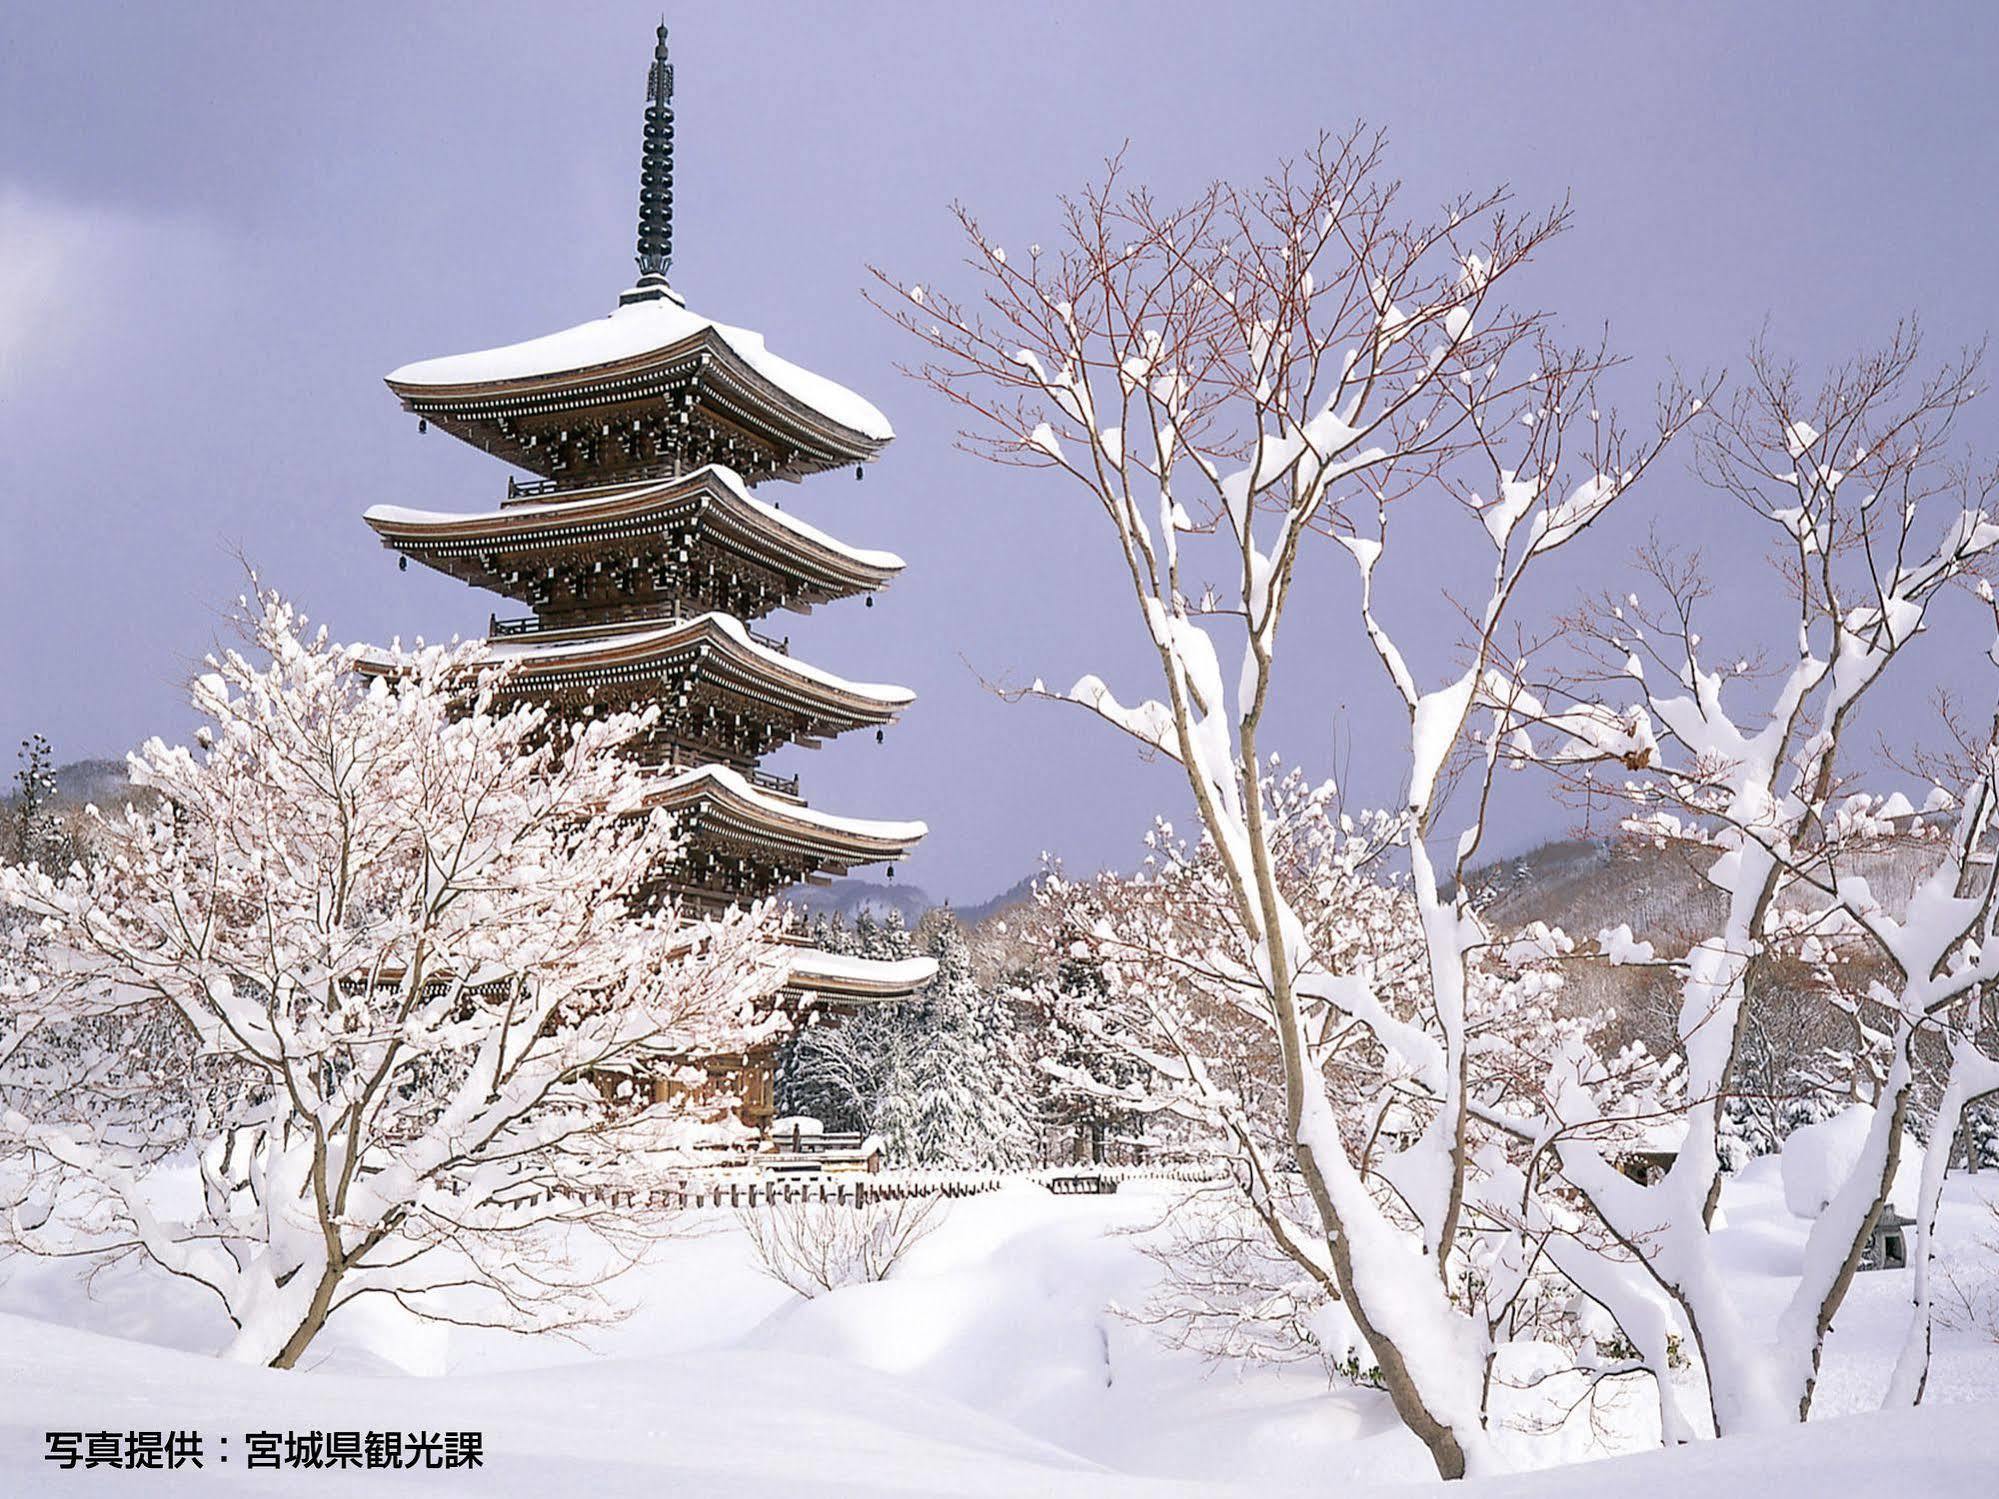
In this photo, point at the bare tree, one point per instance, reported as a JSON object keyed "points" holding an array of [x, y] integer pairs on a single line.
{"points": [[1850, 478], [1182, 1003], [1227, 379]]}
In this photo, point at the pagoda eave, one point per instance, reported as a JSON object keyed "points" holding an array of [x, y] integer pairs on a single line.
{"points": [[721, 804], [711, 649], [671, 533], [690, 401], [839, 979]]}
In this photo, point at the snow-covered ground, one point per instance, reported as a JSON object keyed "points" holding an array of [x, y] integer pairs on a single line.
{"points": [[994, 1362]]}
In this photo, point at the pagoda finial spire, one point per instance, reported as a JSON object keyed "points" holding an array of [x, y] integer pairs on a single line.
{"points": [[656, 171]]}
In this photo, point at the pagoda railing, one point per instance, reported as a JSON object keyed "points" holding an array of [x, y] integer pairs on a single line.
{"points": [[623, 478], [677, 758], [782, 785], [528, 624]]}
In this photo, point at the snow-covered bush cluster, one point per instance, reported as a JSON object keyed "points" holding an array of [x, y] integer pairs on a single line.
{"points": [[367, 999], [816, 1247]]}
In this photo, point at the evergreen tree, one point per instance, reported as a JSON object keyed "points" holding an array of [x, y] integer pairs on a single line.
{"points": [[1080, 1058], [830, 934], [35, 831], [938, 1076], [970, 1087]]}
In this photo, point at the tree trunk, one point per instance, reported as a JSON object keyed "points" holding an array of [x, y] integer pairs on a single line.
{"points": [[316, 1313], [1445, 1449]]}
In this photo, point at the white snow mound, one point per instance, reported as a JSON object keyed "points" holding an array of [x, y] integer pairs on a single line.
{"points": [[1818, 1158]]}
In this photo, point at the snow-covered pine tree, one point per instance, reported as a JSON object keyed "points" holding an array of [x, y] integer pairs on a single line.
{"points": [[937, 1077], [970, 1087], [847, 1070], [811, 1081], [830, 934], [1077, 1069], [886, 940]]}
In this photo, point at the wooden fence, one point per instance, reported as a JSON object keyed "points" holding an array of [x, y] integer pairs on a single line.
{"points": [[854, 1191], [750, 1189]]}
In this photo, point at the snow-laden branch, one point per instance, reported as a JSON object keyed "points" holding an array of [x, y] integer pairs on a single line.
{"points": [[386, 958]]}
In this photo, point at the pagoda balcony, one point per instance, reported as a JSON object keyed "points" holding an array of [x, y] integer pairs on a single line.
{"points": [[679, 610], [668, 752], [784, 786], [521, 491], [678, 760]]}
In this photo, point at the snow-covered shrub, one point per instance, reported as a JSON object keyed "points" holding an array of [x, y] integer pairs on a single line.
{"points": [[1758, 1127], [1227, 1291], [1966, 1281], [378, 969], [815, 1247]]}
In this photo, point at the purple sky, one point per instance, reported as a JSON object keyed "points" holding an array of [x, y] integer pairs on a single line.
{"points": [[220, 225]]}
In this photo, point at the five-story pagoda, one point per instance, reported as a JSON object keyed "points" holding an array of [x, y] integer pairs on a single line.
{"points": [[642, 555]]}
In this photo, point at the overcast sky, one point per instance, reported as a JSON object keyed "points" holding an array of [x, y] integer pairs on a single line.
{"points": [[220, 225]]}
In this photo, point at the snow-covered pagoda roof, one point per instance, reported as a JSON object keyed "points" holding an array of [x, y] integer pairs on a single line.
{"points": [[720, 649], [670, 660], [709, 511], [716, 802], [649, 385], [842, 977], [635, 331]]}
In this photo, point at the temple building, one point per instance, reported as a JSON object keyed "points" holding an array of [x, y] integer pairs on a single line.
{"points": [[651, 573]]}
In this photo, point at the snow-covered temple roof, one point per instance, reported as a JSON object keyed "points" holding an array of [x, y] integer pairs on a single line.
{"points": [[710, 508], [725, 802], [842, 976], [633, 333], [651, 389], [711, 657], [599, 651]]}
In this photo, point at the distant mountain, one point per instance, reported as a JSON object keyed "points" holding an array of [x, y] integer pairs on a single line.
{"points": [[1585, 885], [103, 783], [1017, 894], [847, 899]]}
